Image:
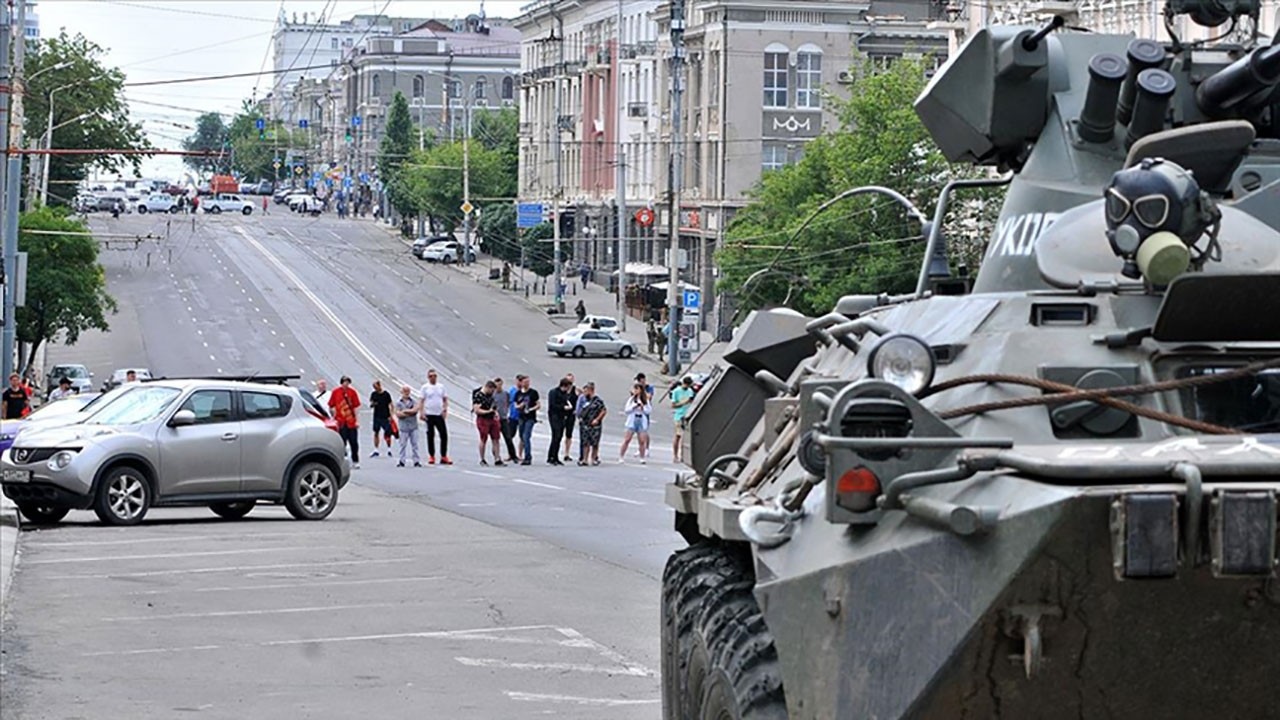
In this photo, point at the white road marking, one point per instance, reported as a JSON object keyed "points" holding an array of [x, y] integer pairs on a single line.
{"points": [[324, 309], [291, 359], [489, 634], [574, 700], [482, 474], [233, 568], [207, 553], [578, 640], [212, 357], [473, 505], [284, 586], [610, 497], [281, 344], [508, 349], [273, 332], [174, 538], [559, 667], [536, 484], [240, 613]]}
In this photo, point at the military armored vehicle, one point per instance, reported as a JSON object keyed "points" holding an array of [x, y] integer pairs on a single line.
{"points": [[1052, 495]]}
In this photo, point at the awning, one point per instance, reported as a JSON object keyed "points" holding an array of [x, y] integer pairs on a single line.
{"points": [[667, 283], [645, 269]]}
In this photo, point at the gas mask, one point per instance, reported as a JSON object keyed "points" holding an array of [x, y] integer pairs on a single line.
{"points": [[1156, 213]]}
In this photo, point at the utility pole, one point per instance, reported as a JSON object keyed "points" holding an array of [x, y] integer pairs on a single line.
{"points": [[559, 187], [675, 179], [466, 189], [620, 180], [13, 180]]}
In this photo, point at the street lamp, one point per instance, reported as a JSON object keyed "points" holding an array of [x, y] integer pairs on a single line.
{"points": [[48, 143]]}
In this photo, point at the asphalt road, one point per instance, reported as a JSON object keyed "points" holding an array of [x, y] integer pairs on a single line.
{"points": [[321, 298]]}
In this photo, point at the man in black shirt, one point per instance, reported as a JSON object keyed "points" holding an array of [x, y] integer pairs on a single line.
{"points": [[559, 408], [16, 401], [527, 404], [488, 424], [380, 401]]}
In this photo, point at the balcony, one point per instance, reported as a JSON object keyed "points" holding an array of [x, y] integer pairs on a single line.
{"points": [[637, 110], [525, 129]]}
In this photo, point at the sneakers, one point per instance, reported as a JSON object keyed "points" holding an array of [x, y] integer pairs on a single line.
{"points": [[355, 466], [484, 462], [417, 464], [399, 464], [431, 460], [374, 454], [499, 463], [445, 460]]}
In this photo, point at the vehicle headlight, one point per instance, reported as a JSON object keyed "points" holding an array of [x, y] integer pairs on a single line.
{"points": [[903, 360], [62, 459]]}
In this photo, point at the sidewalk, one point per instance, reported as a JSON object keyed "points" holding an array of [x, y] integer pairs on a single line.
{"points": [[8, 549]]}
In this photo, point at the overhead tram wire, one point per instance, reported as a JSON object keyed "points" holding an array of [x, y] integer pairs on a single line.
{"points": [[227, 76], [267, 54]]}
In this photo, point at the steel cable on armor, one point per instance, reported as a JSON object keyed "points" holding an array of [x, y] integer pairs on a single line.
{"points": [[1061, 393]]}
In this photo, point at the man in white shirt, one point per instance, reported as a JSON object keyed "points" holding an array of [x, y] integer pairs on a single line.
{"points": [[434, 404], [322, 393], [63, 392]]}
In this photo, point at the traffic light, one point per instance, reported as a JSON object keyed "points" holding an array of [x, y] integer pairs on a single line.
{"points": [[348, 136], [566, 224]]}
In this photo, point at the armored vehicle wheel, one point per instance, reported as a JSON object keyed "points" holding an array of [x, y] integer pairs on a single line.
{"points": [[718, 659], [43, 514], [232, 510]]}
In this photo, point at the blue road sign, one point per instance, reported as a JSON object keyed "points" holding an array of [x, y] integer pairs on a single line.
{"points": [[528, 215], [355, 121], [692, 299], [364, 177], [260, 123], [346, 182], [303, 123]]}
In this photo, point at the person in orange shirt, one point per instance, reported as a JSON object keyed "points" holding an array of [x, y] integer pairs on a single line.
{"points": [[344, 401]]}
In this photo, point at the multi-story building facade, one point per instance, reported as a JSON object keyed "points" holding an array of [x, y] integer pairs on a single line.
{"points": [[311, 47], [448, 71], [585, 85], [31, 30]]}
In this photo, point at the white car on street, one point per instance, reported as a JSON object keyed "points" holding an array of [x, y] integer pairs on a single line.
{"points": [[599, 322], [580, 342], [159, 203], [227, 202], [446, 251], [305, 203]]}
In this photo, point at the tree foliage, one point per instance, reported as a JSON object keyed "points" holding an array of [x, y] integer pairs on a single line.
{"points": [[254, 151], [85, 89], [865, 244], [211, 135], [432, 181], [396, 143], [66, 287]]}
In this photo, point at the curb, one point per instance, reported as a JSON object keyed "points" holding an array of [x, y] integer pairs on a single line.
{"points": [[9, 527]]}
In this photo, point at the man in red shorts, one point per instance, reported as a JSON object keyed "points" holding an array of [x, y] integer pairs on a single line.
{"points": [[487, 421]]}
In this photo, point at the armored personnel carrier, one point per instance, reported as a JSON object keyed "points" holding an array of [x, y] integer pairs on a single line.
{"points": [[1052, 495]]}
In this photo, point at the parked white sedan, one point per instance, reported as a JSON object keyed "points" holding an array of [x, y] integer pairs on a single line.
{"points": [[158, 203], [227, 202], [580, 342]]}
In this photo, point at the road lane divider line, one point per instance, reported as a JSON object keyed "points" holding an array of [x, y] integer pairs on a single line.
{"points": [[287, 586], [175, 538], [482, 474], [575, 700], [232, 568], [609, 497], [536, 484], [556, 667], [206, 553], [243, 613], [324, 309]]}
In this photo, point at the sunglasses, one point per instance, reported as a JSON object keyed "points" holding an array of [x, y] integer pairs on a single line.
{"points": [[1151, 210]]}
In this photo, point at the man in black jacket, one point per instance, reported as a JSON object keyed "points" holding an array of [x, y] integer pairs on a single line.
{"points": [[559, 409]]}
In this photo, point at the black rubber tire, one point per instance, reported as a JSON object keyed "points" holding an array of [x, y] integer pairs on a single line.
{"points": [[625, 352], [142, 209], [122, 480], [247, 211], [38, 514], [305, 505], [173, 210], [718, 659], [579, 351], [232, 510], [215, 210]]}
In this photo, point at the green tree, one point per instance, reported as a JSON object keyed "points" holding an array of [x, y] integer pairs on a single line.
{"points": [[498, 228], [88, 93], [865, 244], [539, 252], [255, 151], [499, 131], [395, 150], [211, 134], [66, 287], [432, 181]]}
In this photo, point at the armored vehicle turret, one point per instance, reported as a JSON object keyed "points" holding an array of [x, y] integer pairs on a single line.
{"points": [[1054, 496]]}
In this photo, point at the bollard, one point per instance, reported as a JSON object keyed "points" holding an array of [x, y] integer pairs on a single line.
{"points": [[170, 256], [526, 292], [148, 259]]}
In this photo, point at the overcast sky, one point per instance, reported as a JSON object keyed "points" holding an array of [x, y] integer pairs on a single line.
{"points": [[174, 39]]}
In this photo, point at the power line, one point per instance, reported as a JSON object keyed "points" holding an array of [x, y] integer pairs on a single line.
{"points": [[228, 76], [187, 11]]}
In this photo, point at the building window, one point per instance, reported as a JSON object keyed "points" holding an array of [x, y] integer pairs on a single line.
{"points": [[508, 88], [406, 26], [773, 157], [419, 85], [333, 43], [481, 88], [455, 89], [775, 78], [808, 79], [881, 63], [377, 86]]}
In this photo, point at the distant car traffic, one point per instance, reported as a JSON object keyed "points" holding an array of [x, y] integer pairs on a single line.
{"points": [[222, 444], [580, 342], [120, 376], [79, 375], [445, 251], [159, 203], [599, 322], [227, 202]]}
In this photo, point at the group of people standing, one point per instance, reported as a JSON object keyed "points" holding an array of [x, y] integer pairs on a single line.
{"points": [[504, 419]]}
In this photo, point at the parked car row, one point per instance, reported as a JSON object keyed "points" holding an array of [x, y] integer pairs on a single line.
{"points": [[441, 249]]}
